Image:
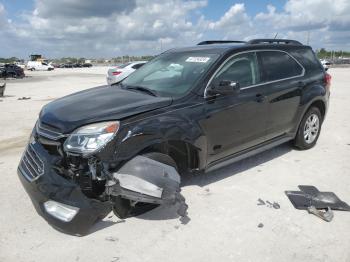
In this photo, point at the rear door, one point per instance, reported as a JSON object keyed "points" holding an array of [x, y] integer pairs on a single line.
{"points": [[236, 122], [283, 78]]}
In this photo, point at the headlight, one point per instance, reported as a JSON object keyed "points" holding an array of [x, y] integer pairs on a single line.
{"points": [[91, 138]]}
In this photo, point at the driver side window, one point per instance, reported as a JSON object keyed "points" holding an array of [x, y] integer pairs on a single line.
{"points": [[242, 69]]}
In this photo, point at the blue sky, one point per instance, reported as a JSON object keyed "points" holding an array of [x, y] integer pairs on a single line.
{"points": [[108, 28]]}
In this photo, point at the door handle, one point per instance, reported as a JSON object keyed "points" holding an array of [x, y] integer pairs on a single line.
{"points": [[260, 98]]}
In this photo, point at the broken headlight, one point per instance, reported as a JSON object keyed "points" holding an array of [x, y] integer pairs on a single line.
{"points": [[91, 138]]}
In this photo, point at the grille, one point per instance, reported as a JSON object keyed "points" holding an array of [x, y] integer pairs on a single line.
{"points": [[32, 166], [48, 131]]}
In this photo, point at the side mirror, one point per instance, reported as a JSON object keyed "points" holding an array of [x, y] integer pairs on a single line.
{"points": [[224, 87], [326, 69]]}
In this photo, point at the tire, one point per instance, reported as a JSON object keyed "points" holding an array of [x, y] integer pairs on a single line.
{"points": [[309, 129], [122, 207]]}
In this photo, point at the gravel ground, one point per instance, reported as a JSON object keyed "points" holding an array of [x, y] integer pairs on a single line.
{"points": [[226, 224]]}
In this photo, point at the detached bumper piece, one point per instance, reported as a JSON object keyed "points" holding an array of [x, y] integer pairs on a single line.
{"points": [[143, 180], [315, 202], [59, 201]]}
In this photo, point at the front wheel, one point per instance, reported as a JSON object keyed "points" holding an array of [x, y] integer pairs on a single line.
{"points": [[309, 129], [124, 208]]}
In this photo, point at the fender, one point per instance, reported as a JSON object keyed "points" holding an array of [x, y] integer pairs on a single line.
{"points": [[310, 95], [137, 136]]}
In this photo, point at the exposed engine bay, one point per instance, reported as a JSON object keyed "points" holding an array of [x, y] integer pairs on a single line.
{"points": [[140, 181], [81, 189]]}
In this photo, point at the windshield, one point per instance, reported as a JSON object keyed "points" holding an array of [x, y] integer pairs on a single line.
{"points": [[171, 73]]}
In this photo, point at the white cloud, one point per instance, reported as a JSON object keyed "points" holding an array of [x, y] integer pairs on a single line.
{"points": [[3, 21], [326, 21], [99, 28], [108, 28]]}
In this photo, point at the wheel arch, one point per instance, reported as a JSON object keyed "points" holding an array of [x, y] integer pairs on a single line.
{"points": [[185, 155], [320, 104]]}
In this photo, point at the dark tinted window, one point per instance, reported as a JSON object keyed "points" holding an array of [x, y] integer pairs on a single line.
{"points": [[308, 58], [137, 66], [278, 65], [241, 68]]}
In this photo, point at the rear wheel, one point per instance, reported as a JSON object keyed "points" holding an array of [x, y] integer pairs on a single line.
{"points": [[124, 208], [309, 129]]}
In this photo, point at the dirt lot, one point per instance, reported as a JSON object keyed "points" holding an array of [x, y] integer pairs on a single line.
{"points": [[223, 210]]}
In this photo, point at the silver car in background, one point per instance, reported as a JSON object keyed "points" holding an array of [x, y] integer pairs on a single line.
{"points": [[119, 73]]}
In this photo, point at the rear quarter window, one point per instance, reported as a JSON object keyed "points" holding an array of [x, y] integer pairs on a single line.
{"points": [[308, 58], [277, 65]]}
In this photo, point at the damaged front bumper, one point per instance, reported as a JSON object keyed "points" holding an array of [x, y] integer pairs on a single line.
{"points": [[45, 185], [63, 204]]}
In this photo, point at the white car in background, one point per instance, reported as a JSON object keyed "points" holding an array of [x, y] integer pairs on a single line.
{"points": [[40, 66], [326, 64], [119, 73]]}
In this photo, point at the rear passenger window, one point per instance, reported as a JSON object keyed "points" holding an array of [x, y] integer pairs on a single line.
{"points": [[278, 65]]}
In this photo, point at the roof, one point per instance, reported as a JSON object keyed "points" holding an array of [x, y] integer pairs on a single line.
{"points": [[223, 46]]}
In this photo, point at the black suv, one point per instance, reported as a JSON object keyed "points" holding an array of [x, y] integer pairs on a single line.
{"points": [[123, 147], [11, 70]]}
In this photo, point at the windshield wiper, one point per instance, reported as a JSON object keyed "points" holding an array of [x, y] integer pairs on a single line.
{"points": [[143, 89]]}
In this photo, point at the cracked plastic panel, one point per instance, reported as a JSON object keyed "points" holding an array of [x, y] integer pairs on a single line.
{"points": [[145, 180]]}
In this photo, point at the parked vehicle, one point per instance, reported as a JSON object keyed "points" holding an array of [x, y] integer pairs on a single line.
{"points": [[86, 65], [326, 64], [119, 73], [188, 110], [39, 66], [20, 64], [11, 71]]}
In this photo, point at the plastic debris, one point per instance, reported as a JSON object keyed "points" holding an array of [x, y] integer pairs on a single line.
{"points": [[325, 215]]}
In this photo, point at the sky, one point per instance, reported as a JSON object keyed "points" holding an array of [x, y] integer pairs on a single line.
{"points": [[110, 28]]}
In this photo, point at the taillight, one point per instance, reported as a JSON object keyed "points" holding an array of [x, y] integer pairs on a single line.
{"points": [[327, 80], [115, 73]]}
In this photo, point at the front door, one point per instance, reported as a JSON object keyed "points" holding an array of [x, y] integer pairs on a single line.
{"points": [[236, 122]]}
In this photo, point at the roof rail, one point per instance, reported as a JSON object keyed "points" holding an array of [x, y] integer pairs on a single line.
{"points": [[211, 42], [274, 41]]}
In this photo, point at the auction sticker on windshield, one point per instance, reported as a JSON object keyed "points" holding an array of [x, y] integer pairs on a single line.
{"points": [[197, 59]]}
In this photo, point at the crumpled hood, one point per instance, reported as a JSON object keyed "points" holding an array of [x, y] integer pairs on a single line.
{"points": [[96, 105]]}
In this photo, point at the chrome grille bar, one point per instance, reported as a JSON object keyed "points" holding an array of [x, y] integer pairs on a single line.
{"points": [[31, 166]]}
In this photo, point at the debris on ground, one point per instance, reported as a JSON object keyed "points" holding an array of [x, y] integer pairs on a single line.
{"points": [[112, 239], [260, 202], [115, 259], [24, 98], [269, 204], [325, 215], [315, 202], [311, 196], [275, 205], [261, 225]]}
